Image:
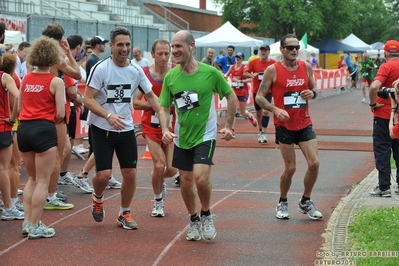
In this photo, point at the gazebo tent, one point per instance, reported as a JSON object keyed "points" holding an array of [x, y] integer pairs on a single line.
{"points": [[354, 41]]}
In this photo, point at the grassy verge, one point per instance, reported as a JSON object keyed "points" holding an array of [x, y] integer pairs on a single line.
{"points": [[373, 231]]}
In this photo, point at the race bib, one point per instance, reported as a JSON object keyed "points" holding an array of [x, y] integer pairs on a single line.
{"points": [[238, 85], [293, 100], [118, 93], [260, 76], [186, 100], [155, 119]]}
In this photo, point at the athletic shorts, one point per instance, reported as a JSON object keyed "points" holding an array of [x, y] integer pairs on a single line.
{"points": [[286, 136], [368, 81], [268, 98], [153, 136], [105, 143], [36, 135], [243, 98], [185, 159], [5, 139], [72, 123]]}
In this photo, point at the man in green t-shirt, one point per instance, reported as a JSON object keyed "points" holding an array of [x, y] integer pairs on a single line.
{"points": [[367, 73], [192, 87]]}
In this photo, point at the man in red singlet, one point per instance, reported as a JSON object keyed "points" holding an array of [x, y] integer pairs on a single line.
{"points": [[255, 70], [292, 83], [162, 155]]}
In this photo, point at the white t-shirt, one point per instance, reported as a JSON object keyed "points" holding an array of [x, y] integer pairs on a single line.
{"points": [[116, 87], [143, 62], [20, 68]]}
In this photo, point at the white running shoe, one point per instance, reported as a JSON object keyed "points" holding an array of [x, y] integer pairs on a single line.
{"points": [[113, 183]]}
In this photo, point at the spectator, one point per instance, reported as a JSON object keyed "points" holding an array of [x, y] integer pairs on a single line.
{"points": [[138, 59], [228, 60]]}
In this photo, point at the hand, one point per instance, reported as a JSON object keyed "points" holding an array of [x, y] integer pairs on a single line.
{"points": [[65, 46], [116, 121], [307, 94], [227, 134], [282, 115], [168, 137]]}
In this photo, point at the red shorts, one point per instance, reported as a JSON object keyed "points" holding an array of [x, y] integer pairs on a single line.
{"points": [[368, 81], [153, 136]]}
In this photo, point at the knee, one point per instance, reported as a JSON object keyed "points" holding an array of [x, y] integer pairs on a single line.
{"points": [[314, 166], [290, 170], [159, 168]]}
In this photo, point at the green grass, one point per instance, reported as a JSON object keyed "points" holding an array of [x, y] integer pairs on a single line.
{"points": [[374, 230]]}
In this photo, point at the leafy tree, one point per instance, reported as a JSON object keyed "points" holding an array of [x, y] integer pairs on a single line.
{"points": [[319, 18], [391, 23]]}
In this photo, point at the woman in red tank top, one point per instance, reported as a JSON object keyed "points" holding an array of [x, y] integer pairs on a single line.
{"points": [[7, 85], [41, 105]]}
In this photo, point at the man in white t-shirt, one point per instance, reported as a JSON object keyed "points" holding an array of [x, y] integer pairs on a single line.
{"points": [[141, 61], [22, 51], [108, 95]]}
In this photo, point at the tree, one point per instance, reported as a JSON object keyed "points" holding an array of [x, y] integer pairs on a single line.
{"points": [[319, 18]]}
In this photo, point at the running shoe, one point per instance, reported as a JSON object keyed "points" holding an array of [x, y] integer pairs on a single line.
{"points": [[253, 120], [208, 228], [83, 184], [41, 231], [57, 204], [25, 228], [18, 204], [194, 231], [113, 183], [282, 210], [126, 221], [158, 209], [310, 209], [177, 180], [262, 137], [1, 205], [61, 196], [66, 179], [97, 210], [378, 193], [12, 214]]}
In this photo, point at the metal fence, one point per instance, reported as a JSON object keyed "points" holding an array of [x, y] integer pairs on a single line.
{"points": [[142, 37]]}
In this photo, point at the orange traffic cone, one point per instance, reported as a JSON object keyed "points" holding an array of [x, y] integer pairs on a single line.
{"points": [[147, 154]]}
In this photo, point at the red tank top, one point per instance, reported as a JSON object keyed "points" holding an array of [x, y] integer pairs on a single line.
{"points": [[286, 90], [4, 107], [150, 122], [240, 88], [38, 103]]}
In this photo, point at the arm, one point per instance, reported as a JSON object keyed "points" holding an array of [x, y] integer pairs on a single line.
{"points": [[310, 93], [248, 73], [373, 95], [115, 120], [138, 103], [69, 66], [152, 99], [394, 118], [228, 72], [267, 82], [57, 88]]}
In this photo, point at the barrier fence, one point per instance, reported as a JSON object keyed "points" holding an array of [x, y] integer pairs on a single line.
{"points": [[324, 79]]}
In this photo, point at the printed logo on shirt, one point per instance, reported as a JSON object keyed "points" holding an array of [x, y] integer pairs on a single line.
{"points": [[295, 82], [118, 93], [33, 88]]}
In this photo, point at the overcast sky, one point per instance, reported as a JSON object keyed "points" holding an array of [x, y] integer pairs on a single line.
{"points": [[193, 3]]}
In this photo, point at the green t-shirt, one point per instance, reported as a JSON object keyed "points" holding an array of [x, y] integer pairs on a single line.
{"points": [[194, 98], [366, 72]]}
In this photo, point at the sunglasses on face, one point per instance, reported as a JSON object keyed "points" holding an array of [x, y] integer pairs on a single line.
{"points": [[292, 47]]}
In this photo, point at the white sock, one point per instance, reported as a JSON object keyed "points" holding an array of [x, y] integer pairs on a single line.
{"points": [[13, 201], [51, 197], [158, 197], [121, 210]]}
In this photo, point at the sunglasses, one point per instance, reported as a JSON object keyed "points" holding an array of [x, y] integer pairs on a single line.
{"points": [[292, 47]]}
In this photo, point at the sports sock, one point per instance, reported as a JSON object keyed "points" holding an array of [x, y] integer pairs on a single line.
{"points": [[283, 200], [265, 121], [304, 199], [205, 213], [194, 217], [63, 173], [122, 210]]}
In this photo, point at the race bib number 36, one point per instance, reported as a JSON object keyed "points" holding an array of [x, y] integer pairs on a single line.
{"points": [[118, 93], [186, 100], [293, 100]]}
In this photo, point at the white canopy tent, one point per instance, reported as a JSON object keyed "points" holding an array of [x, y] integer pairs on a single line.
{"points": [[226, 35], [354, 41], [13, 37], [304, 53]]}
